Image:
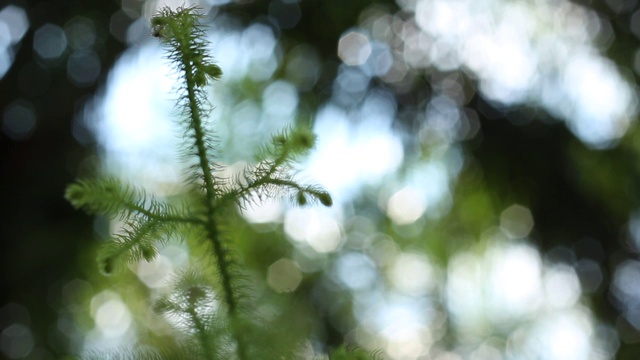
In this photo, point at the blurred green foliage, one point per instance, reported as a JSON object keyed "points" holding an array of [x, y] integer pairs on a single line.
{"points": [[582, 199]]}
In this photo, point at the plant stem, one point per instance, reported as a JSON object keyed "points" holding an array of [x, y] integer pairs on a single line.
{"points": [[201, 330], [222, 261]]}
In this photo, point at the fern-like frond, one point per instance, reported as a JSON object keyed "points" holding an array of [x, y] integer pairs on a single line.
{"points": [[273, 175], [288, 146], [213, 310], [283, 186], [190, 288], [191, 303], [182, 34], [111, 198], [136, 242]]}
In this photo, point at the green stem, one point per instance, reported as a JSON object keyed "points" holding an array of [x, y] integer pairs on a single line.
{"points": [[224, 265], [209, 186], [263, 179], [135, 239], [159, 217], [151, 215], [202, 333]]}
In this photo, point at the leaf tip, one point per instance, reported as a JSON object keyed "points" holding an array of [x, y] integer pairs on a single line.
{"points": [[75, 194], [301, 199], [303, 139], [325, 199], [148, 253], [107, 266]]}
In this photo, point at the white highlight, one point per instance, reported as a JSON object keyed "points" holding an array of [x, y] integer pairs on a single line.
{"points": [[518, 50], [111, 315], [406, 206], [313, 227]]}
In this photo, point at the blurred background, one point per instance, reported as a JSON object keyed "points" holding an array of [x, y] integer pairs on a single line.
{"points": [[483, 157]]}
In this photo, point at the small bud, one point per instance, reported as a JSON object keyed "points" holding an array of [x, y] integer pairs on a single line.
{"points": [[158, 27], [303, 139], [75, 194], [279, 139], [162, 306], [213, 70], [156, 31], [200, 78], [325, 199], [302, 200], [107, 266], [110, 189], [148, 253], [195, 293]]}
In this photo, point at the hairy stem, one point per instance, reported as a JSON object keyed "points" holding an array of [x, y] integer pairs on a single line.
{"points": [[209, 187], [201, 330], [222, 261]]}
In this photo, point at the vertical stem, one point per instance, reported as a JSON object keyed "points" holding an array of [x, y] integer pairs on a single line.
{"points": [[202, 332], [223, 262], [209, 182]]}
